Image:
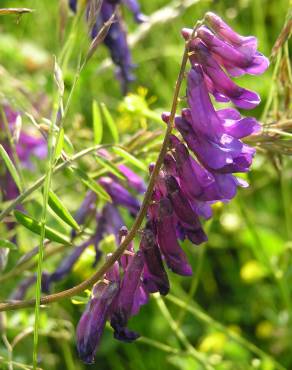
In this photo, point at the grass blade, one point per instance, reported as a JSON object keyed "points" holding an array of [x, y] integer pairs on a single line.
{"points": [[97, 123], [110, 122], [11, 168]]}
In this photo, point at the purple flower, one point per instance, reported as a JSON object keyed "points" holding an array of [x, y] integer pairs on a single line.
{"points": [[155, 278], [218, 83], [134, 180], [92, 322], [234, 59], [73, 5], [116, 42], [245, 44], [130, 297], [167, 240], [215, 148], [86, 209], [184, 211], [120, 195], [134, 6], [66, 264]]}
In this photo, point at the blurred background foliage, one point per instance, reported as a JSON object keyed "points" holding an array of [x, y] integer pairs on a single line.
{"points": [[242, 276]]}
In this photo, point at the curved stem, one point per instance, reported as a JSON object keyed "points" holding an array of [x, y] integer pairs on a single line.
{"points": [[41, 180], [138, 221]]}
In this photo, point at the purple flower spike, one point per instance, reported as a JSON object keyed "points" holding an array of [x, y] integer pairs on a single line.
{"points": [[155, 277], [245, 44], [166, 235], [234, 60], [120, 195], [92, 322], [129, 297], [221, 83]]}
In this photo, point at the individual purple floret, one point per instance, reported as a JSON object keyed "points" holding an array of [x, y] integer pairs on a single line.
{"points": [[134, 180], [92, 322], [120, 196], [215, 148], [234, 60], [219, 82], [167, 240], [155, 278], [246, 44], [128, 300]]}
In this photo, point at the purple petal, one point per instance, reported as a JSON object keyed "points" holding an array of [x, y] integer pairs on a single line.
{"points": [[154, 277], [167, 241], [92, 322]]}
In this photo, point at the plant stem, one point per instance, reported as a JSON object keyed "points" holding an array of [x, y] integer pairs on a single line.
{"points": [[181, 336], [138, 221], [41, 180]]}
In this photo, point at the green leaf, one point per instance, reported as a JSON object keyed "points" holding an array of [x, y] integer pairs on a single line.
{"points": [[68, 146], [79, 300], [60, 144], [58, 207], [35, 226], [97, 123], [105, 163], [8, 244], [130, 158], [11, 168], [110, 122], [92, 185]]}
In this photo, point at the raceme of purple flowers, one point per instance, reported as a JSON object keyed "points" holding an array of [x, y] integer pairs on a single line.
{"points": [[116, 38], [199, 169]]}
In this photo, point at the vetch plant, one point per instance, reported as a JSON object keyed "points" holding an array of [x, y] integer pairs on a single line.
{"points": [[199, 164]]}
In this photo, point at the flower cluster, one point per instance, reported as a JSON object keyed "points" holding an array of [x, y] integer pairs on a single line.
{"points": [[198, 171], [116, 38]]}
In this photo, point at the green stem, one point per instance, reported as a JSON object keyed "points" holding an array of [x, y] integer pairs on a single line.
{"points": [[41, 180], [180, 335]]}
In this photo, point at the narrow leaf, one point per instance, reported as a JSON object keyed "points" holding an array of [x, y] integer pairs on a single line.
{"points": [[11, 168], [35, 226], [6, 11], [7, 244], [58, 207], [105, 163], [130, 158], [97, 123], [60, 144], [93, 185], [110, 122]]}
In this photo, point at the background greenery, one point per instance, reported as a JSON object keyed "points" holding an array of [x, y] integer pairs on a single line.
{"points": [[243, 274]]}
